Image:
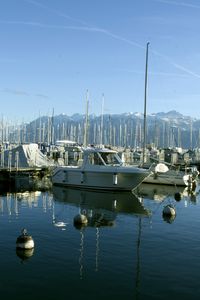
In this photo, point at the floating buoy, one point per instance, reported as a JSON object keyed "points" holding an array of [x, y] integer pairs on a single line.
{"points": [[177, 196], [169, 211], [25, 241]]}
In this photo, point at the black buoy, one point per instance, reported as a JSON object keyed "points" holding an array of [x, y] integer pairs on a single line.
{"points": [[25, 241]]}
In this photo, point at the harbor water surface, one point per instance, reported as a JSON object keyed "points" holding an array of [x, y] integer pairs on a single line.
{"points": [[126, 251]]}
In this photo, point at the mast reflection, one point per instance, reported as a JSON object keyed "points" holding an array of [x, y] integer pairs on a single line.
{"points": [[101, 210]]}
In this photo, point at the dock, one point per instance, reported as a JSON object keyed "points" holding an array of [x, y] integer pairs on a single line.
{"points": [[10, 174]]}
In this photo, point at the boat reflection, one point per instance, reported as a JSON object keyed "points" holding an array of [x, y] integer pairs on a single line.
{"points": [[100, 207], [159, 192]]}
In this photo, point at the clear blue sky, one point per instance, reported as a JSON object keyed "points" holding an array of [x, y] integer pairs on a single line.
{"points": [[52, 51]]}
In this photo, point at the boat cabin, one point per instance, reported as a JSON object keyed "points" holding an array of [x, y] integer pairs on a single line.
{"points": [[102, 157]]}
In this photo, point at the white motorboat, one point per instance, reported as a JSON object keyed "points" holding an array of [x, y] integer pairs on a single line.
{"points": [[100, 168]]}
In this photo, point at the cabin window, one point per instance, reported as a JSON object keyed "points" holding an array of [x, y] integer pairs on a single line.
{"points": [[101, 158], [110, 158], [94, 159]]}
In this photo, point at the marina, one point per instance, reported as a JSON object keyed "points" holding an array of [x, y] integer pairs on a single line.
{"points": [[124, 251], [108, 168], [98, 200]]}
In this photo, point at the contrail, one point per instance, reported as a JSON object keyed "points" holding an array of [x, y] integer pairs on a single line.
{"points": [[79, 28], [155, 73], [103, 31], [106, 32], [117, 37], [42, 25], [86, 27], [55, 11], [114, 36], [177, 66], [186, 70], [178, 3]]}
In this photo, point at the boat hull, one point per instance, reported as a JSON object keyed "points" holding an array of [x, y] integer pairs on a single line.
{"points": [[104, 179]]}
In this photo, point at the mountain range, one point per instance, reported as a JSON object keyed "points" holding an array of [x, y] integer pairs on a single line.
{"points": [[170, 129]]}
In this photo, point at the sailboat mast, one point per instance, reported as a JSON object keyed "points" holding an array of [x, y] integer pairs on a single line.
{"points": [[101, 131], [52, 128], [86, 121], [145, 102]]}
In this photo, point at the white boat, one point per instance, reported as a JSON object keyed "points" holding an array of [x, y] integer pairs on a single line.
{"points": [[100, 168]]}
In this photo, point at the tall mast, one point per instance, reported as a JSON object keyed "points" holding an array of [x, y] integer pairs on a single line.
{"points": [[2, 130], [52, 128], [102, 111], [191, 142], [145, 102], [39, 138], [85, 142]]}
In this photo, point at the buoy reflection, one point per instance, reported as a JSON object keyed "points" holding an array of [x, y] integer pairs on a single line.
{"points": [[169, 218], [24, 254]]}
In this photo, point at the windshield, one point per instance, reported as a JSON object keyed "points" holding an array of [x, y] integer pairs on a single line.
{"points": [[110, 158], [104, 158]]}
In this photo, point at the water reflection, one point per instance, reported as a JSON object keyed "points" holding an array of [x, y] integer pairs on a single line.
{"points": [[164, 195], [110, 254], [169, 219], [24, 254], [25, 184], [12, 203], [160, 192], [24, 192], [100, 208]]}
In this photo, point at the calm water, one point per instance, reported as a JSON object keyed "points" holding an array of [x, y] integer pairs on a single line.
{"points": [[127, 250]]}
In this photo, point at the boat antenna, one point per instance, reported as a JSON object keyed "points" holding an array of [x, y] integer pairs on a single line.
{"points": [[145, 102]]}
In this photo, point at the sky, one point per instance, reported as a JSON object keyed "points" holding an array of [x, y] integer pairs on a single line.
{"points": [[56, 55]]}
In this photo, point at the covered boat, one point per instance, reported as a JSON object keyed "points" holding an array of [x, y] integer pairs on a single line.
{"points": [[163, 175]]}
